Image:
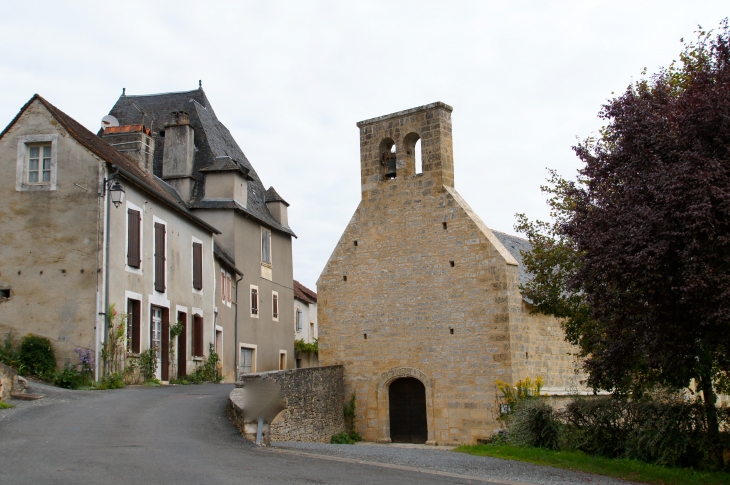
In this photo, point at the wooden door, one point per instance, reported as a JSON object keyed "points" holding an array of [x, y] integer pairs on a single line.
{"points": [[407, 400], [182, 346]]}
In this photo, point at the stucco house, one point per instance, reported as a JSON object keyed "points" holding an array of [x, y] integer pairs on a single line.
{"points": [[305, 323], [197, 156], [420, 300], [67, 252]]}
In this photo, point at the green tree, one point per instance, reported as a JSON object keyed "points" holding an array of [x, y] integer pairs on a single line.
{"points": [[636, 258]]}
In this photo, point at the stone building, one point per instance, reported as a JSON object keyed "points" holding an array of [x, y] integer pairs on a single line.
{"points": [[67, 253], [197, 155], [420, 300]]}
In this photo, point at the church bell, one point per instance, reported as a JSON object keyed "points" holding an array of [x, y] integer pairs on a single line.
{"points": [[390, 173]]}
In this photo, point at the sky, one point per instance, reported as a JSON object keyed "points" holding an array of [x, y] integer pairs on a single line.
{"points": [[290, 79]]}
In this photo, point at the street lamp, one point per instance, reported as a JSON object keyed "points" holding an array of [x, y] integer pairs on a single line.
{"points": [[116, 191]]}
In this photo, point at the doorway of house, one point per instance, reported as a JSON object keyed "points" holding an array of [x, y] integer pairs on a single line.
{"points": [[156, 338], [407, 401]]}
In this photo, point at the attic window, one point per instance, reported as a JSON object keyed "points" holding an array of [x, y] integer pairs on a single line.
{"points": [[162, 133], [4, 293], [355, 243], [445, 225]]}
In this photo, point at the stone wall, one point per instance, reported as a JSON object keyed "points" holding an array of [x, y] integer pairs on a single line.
{"points": [[314, 398], [6, 381]]}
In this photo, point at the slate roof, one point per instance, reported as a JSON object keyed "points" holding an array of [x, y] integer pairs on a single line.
{"points": [[212, 141], [129, 169], [303, 293], [225, 258], [273, 196], [514, 245]]}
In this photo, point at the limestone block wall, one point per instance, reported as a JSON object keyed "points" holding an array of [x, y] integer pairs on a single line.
{"points": [[314, 398], [6, 381]]}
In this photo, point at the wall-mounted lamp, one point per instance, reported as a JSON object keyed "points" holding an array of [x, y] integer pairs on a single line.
{"points": [[116, 191]]}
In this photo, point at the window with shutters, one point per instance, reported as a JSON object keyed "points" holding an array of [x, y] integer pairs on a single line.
{"points": [[275, 306], [247, 359], [36, 166], [299, 320], [226, 290], [134, 318], [254, 301], [197, 265], [134, 237], [160, 256], [198, 336], [265, 246]]}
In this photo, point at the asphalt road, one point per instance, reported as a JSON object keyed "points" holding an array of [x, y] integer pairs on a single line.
{"points": [[182, 435], [176, 435]]}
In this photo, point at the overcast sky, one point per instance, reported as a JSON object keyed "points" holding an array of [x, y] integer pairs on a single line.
{"points": [[291, 79]]}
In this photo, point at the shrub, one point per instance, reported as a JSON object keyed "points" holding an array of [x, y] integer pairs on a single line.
{"points": [[68, 378], [115, 380], [207, 371], [9, 354], [534, 424], [148, 363], [343, 438], [36, 353]]}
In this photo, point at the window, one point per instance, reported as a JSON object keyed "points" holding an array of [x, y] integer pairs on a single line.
{"points": [[247, 362], [134, 317], [156, 331], [275, 305], [159, 257], [134, 227], [254, 301], [198, 336], [226, 290], [39, 164], [299, 320], [5, 293], [36, 163], [197, 266], [265, 246]]}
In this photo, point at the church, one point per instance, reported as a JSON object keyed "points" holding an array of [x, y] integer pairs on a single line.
{"points": [[420, 300]]}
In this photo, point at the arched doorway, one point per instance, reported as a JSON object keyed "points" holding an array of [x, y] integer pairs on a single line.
{"points": [[407, 403]]}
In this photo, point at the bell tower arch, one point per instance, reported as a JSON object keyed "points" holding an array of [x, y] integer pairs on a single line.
{"points": [[431, 124]]}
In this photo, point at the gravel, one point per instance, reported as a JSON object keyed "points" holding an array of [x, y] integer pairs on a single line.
{"points": [[445, 460]]}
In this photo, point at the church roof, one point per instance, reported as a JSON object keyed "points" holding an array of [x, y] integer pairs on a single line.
{"points": [[514, 245], [212, 140]]}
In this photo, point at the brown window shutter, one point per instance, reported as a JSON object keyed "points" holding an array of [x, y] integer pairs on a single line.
{"points": [[133, 238], [198, 331], [197, 266], [136, 309], [276, 305], [254, 301], [159, 257]]}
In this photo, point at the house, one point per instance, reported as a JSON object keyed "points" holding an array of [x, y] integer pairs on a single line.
{"points": [[197, 156], [305, 325], [420, 300], [85, 227]]}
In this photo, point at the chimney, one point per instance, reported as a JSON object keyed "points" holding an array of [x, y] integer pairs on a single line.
{"points": [[277, 207], [134, 141], [178, 154]]}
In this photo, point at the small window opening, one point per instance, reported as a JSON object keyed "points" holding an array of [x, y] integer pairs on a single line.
{"points": [[365, 335], [344, 278], [451, 331], [162, 133], [355, 243], [527, 355], [418, 159], [4, 292], [451, 263], [445, 225]]}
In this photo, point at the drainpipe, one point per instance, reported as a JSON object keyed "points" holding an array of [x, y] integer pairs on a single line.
{"points": [[106, 257], [236, 353]]}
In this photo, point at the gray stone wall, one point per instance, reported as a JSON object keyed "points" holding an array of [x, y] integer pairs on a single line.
{"points": [[6, 381], [314, 398]]}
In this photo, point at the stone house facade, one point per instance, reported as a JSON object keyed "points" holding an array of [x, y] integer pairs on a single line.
{"points": [[197, 156], [68, 253], [305, 323], [420, 300]]}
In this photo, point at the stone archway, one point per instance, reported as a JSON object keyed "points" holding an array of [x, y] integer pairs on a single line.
{"points": [[384, 396]]}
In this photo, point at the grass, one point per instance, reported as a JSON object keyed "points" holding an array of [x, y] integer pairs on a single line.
{"points": [[4, 405], [618, 468]]}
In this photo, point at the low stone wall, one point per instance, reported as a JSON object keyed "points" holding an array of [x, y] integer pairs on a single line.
{"points": [[6, 381], [314, 399]]}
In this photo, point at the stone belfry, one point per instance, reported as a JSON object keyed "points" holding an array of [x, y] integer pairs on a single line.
{"points": [[420, 300]]}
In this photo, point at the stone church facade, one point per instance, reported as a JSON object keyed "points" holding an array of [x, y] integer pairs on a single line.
{"points": [[420, 300]]}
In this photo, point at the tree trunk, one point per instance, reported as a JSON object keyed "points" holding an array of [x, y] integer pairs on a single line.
{"points": [[713, 425]]}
